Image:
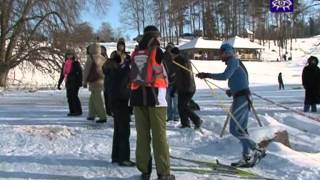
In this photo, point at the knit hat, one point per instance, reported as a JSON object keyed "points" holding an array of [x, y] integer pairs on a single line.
{"points": [[169, 45], [227, 48], [121, 42], [313, 60], [150, 28], [149, 33], [175, 50], [70, 52]]}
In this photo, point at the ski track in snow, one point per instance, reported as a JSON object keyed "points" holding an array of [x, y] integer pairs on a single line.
{"points": [[38, 140]]}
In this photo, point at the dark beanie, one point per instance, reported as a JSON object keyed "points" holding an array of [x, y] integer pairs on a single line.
{"points": [[175, 50], [121, 41], [150, 28], [170, 45], [149, 33], [313, 59]]}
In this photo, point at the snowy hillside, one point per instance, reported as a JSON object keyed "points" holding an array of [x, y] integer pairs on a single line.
{"points": [[28, 76]]}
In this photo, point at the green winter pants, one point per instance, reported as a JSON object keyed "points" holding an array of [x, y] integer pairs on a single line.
{"points": [[154, 119], [96, 105]]}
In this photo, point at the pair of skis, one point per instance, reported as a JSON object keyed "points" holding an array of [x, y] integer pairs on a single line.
{"points": [[215, 168]]}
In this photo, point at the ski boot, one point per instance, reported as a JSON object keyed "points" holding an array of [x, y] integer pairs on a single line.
{"points": [[145, 176], [244, 162], [166, 177], [258, 154]]}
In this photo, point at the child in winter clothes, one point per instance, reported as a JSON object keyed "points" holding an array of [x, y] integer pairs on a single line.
{"points": [[71, 73]]}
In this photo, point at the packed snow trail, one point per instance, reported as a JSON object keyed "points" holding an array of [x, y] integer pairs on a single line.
{"points": [[38, 140]]}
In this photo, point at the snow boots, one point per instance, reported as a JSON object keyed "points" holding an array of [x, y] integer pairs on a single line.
{"points": [[258, 154], [160, 177], [248, 161], [166, 177], [244, 162]]}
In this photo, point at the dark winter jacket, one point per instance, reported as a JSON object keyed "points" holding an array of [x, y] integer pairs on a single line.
{"points": [[151, 93], [117, 78], [74, 79], [184, 79], [280, 79], [170, 68], [310, 81]]}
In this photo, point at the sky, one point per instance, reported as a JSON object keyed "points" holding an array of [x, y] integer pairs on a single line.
{"points": [[112, 16]]}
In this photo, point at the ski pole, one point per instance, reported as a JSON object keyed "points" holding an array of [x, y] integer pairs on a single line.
{"points": [[225, 126], [288, 108], [256, 115]]}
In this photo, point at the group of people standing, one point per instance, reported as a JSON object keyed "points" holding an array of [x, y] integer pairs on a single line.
{"points": [[108, 75], [140, 78], [158, 87]]}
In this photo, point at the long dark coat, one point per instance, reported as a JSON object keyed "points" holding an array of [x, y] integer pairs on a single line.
{"points": [[310, 81]]}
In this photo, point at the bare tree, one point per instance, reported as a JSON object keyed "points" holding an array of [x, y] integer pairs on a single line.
{"points": [[78, 36], [136, 14], [21, 20], [105, 32]]}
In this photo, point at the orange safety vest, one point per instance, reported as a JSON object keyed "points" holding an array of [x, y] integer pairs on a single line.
{"points": [[149, 72]]}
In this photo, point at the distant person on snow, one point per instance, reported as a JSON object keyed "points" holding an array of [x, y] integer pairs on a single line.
{"points": [[93, 75], [280, 81], [310, 81], [186, 88], [237, 77], [116, 71], [71, 73]]}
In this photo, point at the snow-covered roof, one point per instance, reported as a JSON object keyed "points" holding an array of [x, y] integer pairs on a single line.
{"points": [[237, 42], [249, 32], [200, 43], [242, 43]]}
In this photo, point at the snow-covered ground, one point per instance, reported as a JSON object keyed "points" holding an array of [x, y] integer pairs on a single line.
{"points": [[38, 141]]}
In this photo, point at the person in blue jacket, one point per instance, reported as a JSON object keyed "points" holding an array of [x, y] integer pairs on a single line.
{"points": [[237, 77]]}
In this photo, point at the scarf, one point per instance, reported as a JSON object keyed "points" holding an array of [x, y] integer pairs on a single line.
{"points": [[67, 68]]}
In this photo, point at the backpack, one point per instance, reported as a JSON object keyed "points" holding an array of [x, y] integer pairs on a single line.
{"points": [[93, 73], [139, 66]]}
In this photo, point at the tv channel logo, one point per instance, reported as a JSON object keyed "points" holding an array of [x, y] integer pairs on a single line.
{"points": [[279, 6]]}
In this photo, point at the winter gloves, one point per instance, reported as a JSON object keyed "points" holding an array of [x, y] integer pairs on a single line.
{"points": [[228, 93], [203, 75]]}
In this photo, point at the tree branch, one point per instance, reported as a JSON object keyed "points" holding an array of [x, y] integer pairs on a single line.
{"points": [[18, 29]]}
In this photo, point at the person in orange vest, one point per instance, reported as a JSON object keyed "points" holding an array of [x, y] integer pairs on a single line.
{"points": [[148, 97]]}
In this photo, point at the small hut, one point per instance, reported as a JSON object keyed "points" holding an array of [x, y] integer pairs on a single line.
{"points": [[246, 50], [200, 48]]}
